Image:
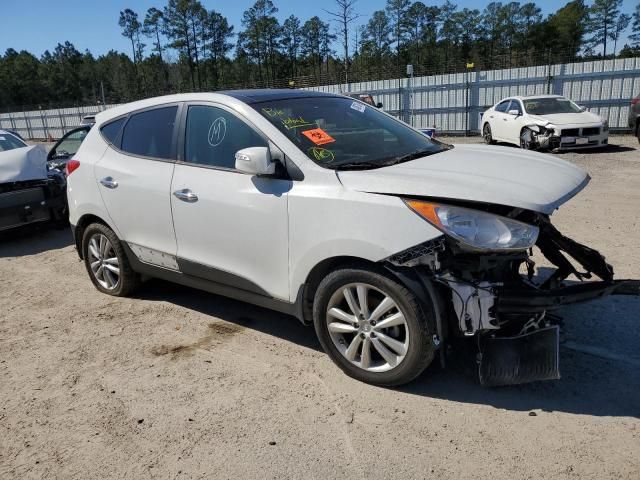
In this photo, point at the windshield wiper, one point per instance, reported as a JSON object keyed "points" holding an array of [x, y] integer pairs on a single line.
{"points": [[357, 166], [411, 156]]}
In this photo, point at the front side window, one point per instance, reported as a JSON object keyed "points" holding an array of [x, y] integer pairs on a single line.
{"points": [[70, 144], [550, 106], [341, 133], [9, 142], [515, 105], [150, 133], [502, 106], [213, 136]]}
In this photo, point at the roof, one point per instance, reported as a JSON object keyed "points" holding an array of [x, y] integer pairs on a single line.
{"points": [[528, 97], [268, 94], [240, 96]]}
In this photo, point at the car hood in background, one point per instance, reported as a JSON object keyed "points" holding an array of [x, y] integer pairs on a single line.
{"points": [[498, 175], [569, 118], [22, 164]]}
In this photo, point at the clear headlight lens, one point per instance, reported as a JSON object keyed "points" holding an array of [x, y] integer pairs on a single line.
{"points": [[477, 229]]}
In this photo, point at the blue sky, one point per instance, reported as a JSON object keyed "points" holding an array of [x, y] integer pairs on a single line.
{"points": [[38, 25]]}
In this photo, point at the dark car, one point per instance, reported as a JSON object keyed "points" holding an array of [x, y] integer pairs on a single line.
{"points": [[30, 191], [634, 116], [66, 147]]}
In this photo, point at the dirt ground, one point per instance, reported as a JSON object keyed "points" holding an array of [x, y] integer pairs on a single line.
{"points": [[176, 383]]}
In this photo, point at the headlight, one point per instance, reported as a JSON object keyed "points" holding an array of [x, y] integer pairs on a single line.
{"points": [[477, 229], [605, 126]]}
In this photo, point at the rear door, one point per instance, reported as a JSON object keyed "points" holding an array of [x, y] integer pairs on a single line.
{"points": [[134, 177], [231, 228]]}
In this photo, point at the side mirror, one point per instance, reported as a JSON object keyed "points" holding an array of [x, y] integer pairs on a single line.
{"points": [[514, 112], [582, 108], [255, 161], [379, 105]]}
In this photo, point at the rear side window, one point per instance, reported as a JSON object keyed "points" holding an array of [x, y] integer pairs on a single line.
{"points": [[111, 130], [150, 133]]}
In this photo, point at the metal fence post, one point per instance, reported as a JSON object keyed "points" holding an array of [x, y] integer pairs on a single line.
{"points": [[28, 122]]}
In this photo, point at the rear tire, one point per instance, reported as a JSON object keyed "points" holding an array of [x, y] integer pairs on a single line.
{"points": [[379, 333], [486, 134], [106, 261]]}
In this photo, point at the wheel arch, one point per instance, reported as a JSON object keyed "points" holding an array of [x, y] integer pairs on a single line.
{"points": [[320, 271], [78, 229]]}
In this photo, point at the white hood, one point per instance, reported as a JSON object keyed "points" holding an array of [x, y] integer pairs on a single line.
{"points": [[498, 175], [581, 118], [22, 164]]}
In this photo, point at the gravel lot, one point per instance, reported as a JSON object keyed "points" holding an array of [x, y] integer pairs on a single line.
{"points": [[176, 383]]}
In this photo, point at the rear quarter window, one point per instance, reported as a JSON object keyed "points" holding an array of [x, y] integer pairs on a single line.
{"points": [[111, 130]]}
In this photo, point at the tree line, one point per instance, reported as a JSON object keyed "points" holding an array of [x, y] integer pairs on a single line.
{"points": [[185, 47]]}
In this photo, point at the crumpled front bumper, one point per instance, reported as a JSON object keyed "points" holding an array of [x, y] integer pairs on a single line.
{"points": [[523, 301]]}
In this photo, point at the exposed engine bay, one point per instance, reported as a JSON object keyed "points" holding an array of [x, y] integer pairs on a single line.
{"points": [[538, 137], [505, 302]]}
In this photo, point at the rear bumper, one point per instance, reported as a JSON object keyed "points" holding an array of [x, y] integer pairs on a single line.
{"points": [[527, 300]]}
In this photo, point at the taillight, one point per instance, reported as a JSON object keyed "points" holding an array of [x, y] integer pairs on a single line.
{"points": [[635, 101], [71, 167]]}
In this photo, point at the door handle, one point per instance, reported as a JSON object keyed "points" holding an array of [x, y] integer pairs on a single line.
{"points": [[109, 182], [185, 195]]}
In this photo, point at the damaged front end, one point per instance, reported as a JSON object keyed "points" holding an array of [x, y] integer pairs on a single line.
{"points": [[497, 297], [539, 137]]}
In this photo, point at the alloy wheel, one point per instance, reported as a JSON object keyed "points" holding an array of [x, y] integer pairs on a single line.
{"points": [[367, 327], [487, 134], [103, 261]]}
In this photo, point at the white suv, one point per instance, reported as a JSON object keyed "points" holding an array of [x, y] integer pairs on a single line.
{"points": [[323, 207]]}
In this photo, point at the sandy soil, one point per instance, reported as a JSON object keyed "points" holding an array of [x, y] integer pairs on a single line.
{"points": [[176, 383]]}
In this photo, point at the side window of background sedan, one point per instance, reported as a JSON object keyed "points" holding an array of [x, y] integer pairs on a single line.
{"points": [[213, 136], [502, 106]]}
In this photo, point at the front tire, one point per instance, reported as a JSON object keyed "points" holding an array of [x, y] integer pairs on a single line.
{"points": [[373, 327], [106, 262], [486, 134], [524, 143]]}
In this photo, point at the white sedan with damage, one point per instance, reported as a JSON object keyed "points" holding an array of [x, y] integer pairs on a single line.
{"points": [[544, 122]]}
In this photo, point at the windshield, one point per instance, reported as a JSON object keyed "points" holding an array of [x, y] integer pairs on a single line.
{"points": [[341, 133], [9, 142], [549, 106]]}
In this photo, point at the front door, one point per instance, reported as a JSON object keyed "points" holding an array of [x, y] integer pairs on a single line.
{"points": [[513, 122], [231, 228]]}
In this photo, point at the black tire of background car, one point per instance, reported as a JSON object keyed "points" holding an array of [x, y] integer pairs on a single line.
{"points": [[129, 280], [420, 322], [486, 134]]}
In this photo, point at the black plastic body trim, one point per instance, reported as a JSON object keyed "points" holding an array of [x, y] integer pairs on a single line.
{"points": [[205, 272]]}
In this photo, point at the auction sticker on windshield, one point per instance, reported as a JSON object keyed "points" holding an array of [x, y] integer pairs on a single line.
{"points": [[318, 136]]}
